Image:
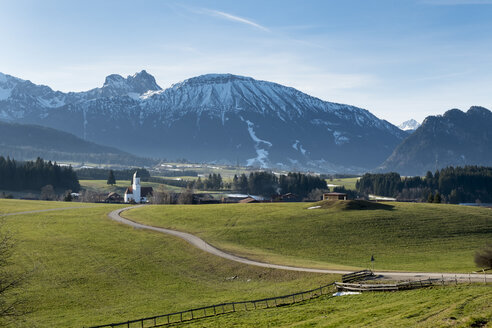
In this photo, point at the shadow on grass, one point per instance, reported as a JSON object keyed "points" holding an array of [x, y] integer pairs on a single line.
{"points": [[352, 205]]}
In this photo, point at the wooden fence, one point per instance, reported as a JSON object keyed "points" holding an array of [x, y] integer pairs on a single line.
{"points": [[383, 287], [223, 308], [358, 275]]}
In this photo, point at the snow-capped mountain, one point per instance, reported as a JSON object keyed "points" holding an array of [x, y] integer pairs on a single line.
{"points": [[213, 117], [410, 125]]}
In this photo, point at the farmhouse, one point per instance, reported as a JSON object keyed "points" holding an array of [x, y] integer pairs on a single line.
{"points": [[136, 193], [334, 196], [113, 198]]}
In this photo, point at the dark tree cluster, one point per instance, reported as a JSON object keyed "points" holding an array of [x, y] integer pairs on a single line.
{"points": [[103, 174], [268, 184], [384, 184], [300, 184], [467, 184], [34, 175]]}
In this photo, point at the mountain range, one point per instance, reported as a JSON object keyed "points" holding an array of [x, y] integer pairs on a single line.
{"points": [[453, 139], [220, 118]]}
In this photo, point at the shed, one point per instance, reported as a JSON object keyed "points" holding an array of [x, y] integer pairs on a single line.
{"points": [[334, 196]]}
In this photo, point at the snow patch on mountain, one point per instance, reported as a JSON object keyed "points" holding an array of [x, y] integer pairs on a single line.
{"points": [[409, 125], [262, 154], [253, 134], [339, 138], [297, 146]]}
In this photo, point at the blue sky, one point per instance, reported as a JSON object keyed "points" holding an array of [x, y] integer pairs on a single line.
{"points": [[398, 59]]}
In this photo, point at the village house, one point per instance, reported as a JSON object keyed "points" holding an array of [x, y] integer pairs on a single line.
{"points": [[137, 193]]}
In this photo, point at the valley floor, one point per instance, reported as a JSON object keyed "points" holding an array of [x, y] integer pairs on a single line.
{"points": [[85, 269]]}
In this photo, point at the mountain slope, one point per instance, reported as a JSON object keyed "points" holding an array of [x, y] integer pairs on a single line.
{"points": [[214, 118], [26, 142], [453, 139]]}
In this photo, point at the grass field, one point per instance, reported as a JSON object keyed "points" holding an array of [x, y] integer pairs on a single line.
{"points": [[462, 306], [15, 205], [402, 236], [86, 270], [348, 183]]}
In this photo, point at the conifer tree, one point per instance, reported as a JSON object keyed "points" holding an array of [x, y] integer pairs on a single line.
{"points": [[111, 178]]}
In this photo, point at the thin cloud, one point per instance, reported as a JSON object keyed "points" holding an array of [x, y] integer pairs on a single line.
{"points": [[238, 19]]}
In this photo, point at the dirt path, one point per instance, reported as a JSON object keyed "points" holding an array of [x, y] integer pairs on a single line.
{"points": [[201, 244]]}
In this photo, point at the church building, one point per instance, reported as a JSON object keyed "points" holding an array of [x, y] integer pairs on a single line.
{"points": [[136, 193]]}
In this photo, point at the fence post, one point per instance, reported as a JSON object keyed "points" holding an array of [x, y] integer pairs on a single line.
{"points": [[233, 307], [215, 313], [142, 323], [442, 279]]}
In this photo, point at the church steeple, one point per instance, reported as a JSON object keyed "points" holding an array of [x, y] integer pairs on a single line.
{"points": [[136, 188]]}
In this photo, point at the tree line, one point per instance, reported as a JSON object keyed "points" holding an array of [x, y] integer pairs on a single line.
{"points": [[263, 183], [33, 175], [469, 184], [102, 174]]}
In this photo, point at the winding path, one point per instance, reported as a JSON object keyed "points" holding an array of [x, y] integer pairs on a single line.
{"points": [[201, 244]]}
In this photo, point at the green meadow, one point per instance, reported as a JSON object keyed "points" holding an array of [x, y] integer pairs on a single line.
{"points": [[348, 183], [450, 306], [401, 236], [85, 270], [15, 205]]}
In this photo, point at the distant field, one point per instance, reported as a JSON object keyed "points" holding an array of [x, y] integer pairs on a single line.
{"points": [[88, 270], [348, 183], [462, 306], [121, 185], [406, 236], [15, 205]]}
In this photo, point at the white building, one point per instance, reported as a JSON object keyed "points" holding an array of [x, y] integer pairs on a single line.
{"points": [[136, 193]]}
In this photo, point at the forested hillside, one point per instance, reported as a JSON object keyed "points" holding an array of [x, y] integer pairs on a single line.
{"points": [[467, 184], [27, 142]]}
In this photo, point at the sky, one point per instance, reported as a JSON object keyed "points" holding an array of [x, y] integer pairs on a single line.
{"points": [[399, 59]]}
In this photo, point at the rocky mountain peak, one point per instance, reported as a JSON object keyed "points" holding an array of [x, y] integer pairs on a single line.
{"points": [[142, 82], [138, 83]]}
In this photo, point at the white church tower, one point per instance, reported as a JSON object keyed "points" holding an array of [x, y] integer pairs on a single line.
{"points": [[136, 188]]}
